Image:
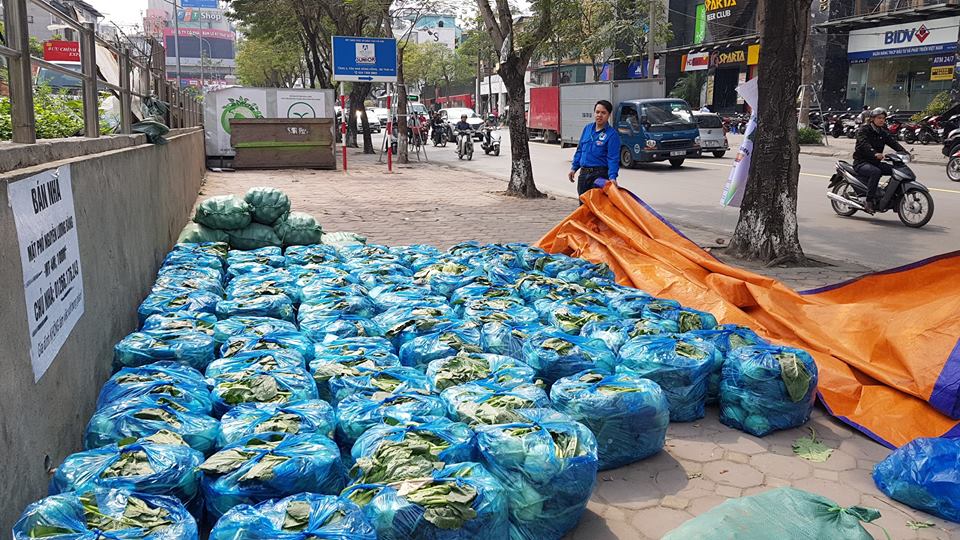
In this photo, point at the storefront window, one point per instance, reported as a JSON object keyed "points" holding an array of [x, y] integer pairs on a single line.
{"points": [[895, 83]]}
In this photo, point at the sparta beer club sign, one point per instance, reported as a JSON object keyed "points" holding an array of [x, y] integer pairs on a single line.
{"points": [[61, 51], [730, 18]]}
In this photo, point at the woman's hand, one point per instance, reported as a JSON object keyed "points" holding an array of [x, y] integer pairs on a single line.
{"points": [[571, 175]]}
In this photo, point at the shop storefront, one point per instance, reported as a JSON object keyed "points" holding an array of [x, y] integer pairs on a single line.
{"points": [[901, 66], [725, 69]]}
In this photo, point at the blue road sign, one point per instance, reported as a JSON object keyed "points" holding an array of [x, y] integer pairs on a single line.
{"points": [[202, 4], [364, 59]]}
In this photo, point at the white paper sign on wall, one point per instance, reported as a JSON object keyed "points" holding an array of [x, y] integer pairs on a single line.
{"points": [[46, 224]]}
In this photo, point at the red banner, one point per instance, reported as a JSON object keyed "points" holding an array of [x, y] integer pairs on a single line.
{"points": [[61, 51]]}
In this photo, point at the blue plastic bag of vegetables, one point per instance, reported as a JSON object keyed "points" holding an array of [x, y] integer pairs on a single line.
{"points": [[421, 350], [184, 281], [120, 421], [506, 339], [436, 441], [392, 295], [217, 249], [191, 271], [630, 303], [315, 305], [548, 467], [627, 414], [488, 403], [182, 321], [172, 300], [353, 346], [312, 254], [328, 367], [371, 379], [765, 388], [444, 277], [458, 502], [277, 341], [277, 306], [194, 349], [679, 363], [268, 466], [556, 354], [309, 416], [249, 269], [359, 412], [105, 513], [160, 382], [339, 325], [616, 332], [254, 361], [298, 517], [924, 474], [273, 283], [280, 385], [472, 367], [181, 257], [686, 318], [269, 255], [159, 464], [725, 338], [572, 318], [249, 326]]}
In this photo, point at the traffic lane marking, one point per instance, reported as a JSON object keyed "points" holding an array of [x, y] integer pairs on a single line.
{"points": [[814, 175]]}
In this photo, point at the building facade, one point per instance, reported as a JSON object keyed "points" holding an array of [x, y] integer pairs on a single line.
{"points": [[44, 26], [207, 40], [897, 54]]}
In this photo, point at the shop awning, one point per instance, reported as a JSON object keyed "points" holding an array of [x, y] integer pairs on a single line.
{"points": [[741, 41], [899, 16]]}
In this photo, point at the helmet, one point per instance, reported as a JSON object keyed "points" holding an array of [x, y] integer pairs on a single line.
{"points": [[877, 112]]}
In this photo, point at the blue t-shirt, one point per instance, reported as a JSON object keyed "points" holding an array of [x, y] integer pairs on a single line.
{"points": [[598, 149]]}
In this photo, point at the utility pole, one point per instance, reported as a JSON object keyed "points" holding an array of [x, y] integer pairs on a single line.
{"points": [[176, 37], [651, 31]]}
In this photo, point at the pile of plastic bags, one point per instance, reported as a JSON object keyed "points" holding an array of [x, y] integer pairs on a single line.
{"points": [[368, 391]]}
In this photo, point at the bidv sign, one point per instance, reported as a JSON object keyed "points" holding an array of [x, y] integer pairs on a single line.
{"points": [[896, 37]]}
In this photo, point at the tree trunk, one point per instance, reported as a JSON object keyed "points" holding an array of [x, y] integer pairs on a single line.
{"points": [[806, 79], [521, 182], [767, 228]]}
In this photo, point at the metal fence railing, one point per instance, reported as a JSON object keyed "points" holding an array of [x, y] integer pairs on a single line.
{"points": [[141, 78]]}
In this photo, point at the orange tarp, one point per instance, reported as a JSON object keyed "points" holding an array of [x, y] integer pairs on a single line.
{"points": [[886, 344]]}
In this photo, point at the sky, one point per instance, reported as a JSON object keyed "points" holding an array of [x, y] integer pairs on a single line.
{"points": [[122, 12]]}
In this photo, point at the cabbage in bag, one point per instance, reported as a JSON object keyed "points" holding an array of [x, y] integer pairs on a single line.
{"points": [[765, 388], [173, 300], [627, 414], [182, 321], [269, 466], [309, 416], [117, 514], [556, 354], [298, 229], [158, 383], [297, 517], [268, 204], [273, 306], [463, 368], [924, 474], [487, 403], [223, 212], [120, 421], [249, 326], [194, 349], [359, 412]]}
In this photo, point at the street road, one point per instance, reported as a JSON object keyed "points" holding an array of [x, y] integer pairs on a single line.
{"points": [[692, 193]]}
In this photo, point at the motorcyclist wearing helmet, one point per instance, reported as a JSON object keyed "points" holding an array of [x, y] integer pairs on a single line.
{"points": [[462, 125], [872, 137]]}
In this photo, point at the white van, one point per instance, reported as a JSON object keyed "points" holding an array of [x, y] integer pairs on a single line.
{"points": [[713, 138]]}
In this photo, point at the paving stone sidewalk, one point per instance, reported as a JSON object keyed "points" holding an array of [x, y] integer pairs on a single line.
{"points": [[704, 462]]}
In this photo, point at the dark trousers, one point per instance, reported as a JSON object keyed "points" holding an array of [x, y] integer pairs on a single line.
{"points": [[872, 173], [587, 176]]}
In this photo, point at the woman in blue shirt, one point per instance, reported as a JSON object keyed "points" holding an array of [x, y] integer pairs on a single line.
{"points": [[598, 153]]}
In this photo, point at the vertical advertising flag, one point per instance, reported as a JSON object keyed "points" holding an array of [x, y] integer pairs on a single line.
{"points": [[700, 30], [737, 183]]}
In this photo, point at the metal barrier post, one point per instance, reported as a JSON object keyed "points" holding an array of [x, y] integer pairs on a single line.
{"points": [[21, 82], [126, 117], [88, 66]]}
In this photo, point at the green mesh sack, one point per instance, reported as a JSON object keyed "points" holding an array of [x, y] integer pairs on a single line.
{"points": [[342, 239], [195, 233], [269, 204], [253, 236], [778, 514], [223, 212], [298, 229]]}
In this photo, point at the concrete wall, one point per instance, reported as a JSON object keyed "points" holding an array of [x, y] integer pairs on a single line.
{"points": [[130, 206]]}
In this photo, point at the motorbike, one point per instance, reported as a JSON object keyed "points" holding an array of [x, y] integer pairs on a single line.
{"points": [[951, 143], [953, 167], [900, 192], [464, 143], [909, 132], [928, 131], [491, 141], [440, 134]]}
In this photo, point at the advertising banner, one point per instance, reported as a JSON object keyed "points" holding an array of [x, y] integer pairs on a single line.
{"points": [[61, 51], [737, 183], [730, 18]]}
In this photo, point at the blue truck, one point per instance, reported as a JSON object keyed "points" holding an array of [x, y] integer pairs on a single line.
{"points": [[652, 127]]}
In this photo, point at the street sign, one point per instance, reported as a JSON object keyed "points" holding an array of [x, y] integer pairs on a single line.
{"points": [[364, 59]]}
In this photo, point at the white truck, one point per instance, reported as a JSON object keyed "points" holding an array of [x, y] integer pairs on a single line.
{"points": [[577, 102]]}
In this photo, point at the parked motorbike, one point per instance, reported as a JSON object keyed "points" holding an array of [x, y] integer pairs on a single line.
{"points": [[900, 192], [928, 130], [835, 126], [909, 132], [491, 141], [953, 167], [464, 143], [951, 143]]}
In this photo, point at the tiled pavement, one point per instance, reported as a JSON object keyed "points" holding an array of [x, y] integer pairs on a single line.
{"points": [[704, 462]]}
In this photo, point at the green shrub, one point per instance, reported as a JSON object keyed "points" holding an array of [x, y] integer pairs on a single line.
{"points": [[939, 104], [56, 115], [808, 135]]}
